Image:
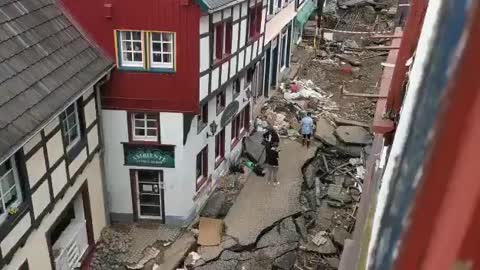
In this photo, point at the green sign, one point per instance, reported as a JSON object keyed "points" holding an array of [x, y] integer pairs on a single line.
{"points": [[229, 113], [151, 156]]}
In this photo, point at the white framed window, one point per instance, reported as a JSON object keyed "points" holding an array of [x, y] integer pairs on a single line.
{"points": [[145, 127], [162, 49], [131, 48], [10, 190], [71, 126]]}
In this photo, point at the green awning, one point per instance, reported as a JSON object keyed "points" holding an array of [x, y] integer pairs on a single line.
{"points": [[305, 12]]}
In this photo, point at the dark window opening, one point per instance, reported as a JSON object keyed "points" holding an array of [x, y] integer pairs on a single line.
{"points": [[62, 224]]}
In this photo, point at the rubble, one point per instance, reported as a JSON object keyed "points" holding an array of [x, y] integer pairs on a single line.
{"points": [[353, 135]]}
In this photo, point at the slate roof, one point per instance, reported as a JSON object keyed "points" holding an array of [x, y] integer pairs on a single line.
{"points": [[44, 63], [214, 4]]}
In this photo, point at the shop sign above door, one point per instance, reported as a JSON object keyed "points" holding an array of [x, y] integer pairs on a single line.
{"points": [[151, 156]]}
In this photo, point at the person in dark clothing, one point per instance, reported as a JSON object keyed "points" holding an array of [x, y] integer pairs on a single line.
{"points": [[271, 165], [271, 138]]}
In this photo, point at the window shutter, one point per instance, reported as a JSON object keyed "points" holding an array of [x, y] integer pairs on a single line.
{"points": [[219, 41], [228, 38]]}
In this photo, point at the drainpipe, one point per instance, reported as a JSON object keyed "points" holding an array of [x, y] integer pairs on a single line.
{"points": [[106, 198]]}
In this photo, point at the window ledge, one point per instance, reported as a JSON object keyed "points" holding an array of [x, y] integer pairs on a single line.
{"points": [[254, 38], [200, 184], [161, 70], [201, 127], [235, 141], [11, 221], [224, 59], [219, 161], [76, 149], [202, 188], [219, 111]]}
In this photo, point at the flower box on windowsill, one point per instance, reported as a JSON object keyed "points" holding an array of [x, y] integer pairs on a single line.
{"points": [[11, 220]]}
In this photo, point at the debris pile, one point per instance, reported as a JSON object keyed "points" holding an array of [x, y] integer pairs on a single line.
{"points": [[111, 250]]}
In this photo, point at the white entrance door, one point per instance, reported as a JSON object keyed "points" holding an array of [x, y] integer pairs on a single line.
{"points": [[149, 194]]}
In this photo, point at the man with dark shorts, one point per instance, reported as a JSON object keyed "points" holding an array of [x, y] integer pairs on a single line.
{"points": [[307, 129]]}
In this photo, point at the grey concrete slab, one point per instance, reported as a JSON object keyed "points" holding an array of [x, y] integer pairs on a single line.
{"points": [[353, 135], [325, 132], [259, 205]]}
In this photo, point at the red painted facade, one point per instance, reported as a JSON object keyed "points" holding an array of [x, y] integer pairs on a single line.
{"points": [[130, 90]]}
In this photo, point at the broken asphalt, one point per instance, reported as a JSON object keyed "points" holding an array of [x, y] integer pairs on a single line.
{"points": [[260, 205]]}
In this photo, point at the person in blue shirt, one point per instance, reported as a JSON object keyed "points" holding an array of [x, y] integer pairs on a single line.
{"points": [[307, 127]]}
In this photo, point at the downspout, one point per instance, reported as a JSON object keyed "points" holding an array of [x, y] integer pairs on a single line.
{"points": [[97, 87]]}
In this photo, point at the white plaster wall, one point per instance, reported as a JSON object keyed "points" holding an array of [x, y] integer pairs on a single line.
{"points": [[177, 193], [204, 53], [55, 148], [233, 66], [32, 143], [77, 162], [97, 199], [204, 86], [36, 167], [40, 199], [51, 125], [117, 175], [227, 13], [217, 16], [244, 9], [92, 138], [243, 32], [236, 12], [90, 111], [35, 248], [235, 29], [204, 26], [241, 59], [279, 21], [215, 74], [14, 236], [59, 178], [248, 51], [224, 72]]}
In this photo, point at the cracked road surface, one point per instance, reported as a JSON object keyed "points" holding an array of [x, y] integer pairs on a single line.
{"points": [[260, 205]]}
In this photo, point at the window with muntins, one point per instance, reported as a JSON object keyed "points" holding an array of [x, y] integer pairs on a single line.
{"points": [[146, 50], [202, 168], [10, 189], [236, 87], [203, 117], [131, 44], [161, 47], [220, 102], [222, 40], [71, 126], [271, 7], [219, 147], [145, 127]]}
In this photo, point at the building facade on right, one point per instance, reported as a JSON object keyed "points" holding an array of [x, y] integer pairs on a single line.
{"points": [[420, 202]]}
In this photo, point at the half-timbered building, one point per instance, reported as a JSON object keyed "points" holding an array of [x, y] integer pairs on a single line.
{"points": [[51, 185], [179, 100]]}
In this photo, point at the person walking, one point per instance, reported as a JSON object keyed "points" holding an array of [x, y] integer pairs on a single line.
{"points": [[271, 165], [307, 129]]}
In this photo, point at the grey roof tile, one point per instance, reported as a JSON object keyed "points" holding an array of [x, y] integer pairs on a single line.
{"points": [[44, 63], [213, 4]]}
